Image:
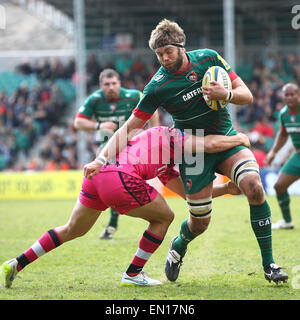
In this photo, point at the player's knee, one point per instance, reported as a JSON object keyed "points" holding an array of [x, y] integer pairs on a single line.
{"points": [[168, 217], [253, 189], [243, 169], [72, 231], [280, 189], [200, 212], [165, 218], [198, 226], [200, 208]]}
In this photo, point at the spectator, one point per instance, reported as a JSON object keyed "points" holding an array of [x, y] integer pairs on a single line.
{"points": [[264, 127], [93, 68], [124, 63]]}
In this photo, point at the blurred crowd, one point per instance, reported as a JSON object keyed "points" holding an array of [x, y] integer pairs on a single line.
{"points": [[25, 116], [260, 120], [29, 114]]}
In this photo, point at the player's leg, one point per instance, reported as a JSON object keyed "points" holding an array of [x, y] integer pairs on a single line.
{"points": [[289, 173], [281, 187], [243, 170], [200, 207], [159, 215], [80, 222], [112, 224], [197, 174], [134, 197], [111, 227]]}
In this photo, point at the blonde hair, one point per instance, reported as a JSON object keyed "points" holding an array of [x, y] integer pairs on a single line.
{"points": [[167, 33]]}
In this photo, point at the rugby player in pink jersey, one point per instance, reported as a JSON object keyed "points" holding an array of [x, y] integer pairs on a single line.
{"points": [[122, 186]]}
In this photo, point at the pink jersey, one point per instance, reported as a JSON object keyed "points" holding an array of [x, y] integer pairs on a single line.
{"points": [[121, 185], [150, 154]]}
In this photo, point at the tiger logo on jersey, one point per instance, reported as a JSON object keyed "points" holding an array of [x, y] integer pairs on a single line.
{"points": [[188, 184], [113, 107], [191, 76]]}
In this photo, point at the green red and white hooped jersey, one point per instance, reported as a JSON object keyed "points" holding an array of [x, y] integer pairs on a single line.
{"points": [[290, 123], [118, 111], [180, 94], [152, 153]]}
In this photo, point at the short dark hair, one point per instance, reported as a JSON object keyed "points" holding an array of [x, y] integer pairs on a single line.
{"points": [[108, 73], [290, 85]]}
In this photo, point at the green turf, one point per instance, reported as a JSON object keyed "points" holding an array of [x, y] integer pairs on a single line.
{"points": [[223, 263]]}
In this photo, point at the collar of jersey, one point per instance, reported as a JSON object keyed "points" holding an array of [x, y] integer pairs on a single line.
{"points": [[294, 112], [184, 69]]}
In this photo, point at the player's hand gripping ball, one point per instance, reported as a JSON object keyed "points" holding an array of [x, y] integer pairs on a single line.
{"points": [[219, 75]]}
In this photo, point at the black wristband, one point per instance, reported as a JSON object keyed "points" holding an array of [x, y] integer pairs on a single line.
{"points": [[98, 126]]}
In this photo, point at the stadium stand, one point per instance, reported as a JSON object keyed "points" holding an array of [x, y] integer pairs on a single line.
{"points": [[29, 98], [25, 30], [138, 18]]}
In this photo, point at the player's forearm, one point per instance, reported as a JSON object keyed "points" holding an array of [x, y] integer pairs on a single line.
{"points": [[154, 121], [85, 124], [218, 143], [219, 190], [116, 143], [241, 95], [280, 141], [121, 137]]}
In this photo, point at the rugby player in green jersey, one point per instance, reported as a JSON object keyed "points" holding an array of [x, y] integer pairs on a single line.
{"points": [[290, 172], [177, 88], [110, 106]]}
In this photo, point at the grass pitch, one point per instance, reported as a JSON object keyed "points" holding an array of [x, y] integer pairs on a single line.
{"points": [[222, 264]]}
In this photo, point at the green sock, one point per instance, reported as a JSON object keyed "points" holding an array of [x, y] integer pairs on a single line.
{"points": [[260, 216], [284, 204], [114, 216], [185, 236]]}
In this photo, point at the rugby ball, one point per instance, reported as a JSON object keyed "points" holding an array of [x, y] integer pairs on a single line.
{"points": [[218, 74]]}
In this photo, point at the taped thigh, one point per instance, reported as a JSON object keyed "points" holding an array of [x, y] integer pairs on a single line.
{"points": [[242, 168], [200, 208]]}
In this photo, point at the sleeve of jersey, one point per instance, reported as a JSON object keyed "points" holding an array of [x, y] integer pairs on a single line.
{"points": [[86, 110], [170, 174], [220, 61], [81, 115], [147, 105], [282, 127]]}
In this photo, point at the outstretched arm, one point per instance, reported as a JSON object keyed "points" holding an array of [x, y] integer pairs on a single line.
{"points": [[114, 145], [90, 125], [176, 185], [280, 141], [214, 143], [226, 188], [154, 121]]}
